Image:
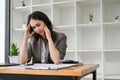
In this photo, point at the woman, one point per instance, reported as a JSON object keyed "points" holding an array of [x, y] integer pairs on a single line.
{"points": [[40, 42]]}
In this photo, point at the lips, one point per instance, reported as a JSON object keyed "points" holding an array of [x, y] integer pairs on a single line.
{"points": [[41, 32]]}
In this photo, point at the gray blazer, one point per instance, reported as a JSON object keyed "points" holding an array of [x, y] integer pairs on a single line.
{"points": [[60, 41]]}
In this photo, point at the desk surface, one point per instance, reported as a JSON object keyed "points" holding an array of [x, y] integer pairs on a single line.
{"points": [[71, 71]]}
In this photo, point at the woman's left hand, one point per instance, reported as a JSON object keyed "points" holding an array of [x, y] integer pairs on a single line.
{"points": [[47, 32]]}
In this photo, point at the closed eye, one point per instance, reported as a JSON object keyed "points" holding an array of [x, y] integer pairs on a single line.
{"points": [[37, 25]]}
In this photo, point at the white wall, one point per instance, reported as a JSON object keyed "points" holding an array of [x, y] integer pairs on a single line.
{"points": [[2, 31]]}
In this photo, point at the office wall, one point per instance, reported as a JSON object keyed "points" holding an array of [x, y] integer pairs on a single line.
{"points": [[2, 31]]}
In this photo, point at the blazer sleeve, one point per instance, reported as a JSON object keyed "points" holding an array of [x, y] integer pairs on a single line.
{"points": [[29, 51], [62, 45]]}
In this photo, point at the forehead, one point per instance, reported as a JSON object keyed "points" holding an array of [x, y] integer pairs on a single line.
{"points": [[33, 22]]}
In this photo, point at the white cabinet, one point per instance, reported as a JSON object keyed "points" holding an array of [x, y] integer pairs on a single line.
{"points": [[91, 43], [111, 39]]}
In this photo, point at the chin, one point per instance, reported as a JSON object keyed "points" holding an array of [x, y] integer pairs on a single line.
{"points": [[41, 34]]}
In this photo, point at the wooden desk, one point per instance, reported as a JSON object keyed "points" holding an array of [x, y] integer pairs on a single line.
{"points": [[71, 73]]}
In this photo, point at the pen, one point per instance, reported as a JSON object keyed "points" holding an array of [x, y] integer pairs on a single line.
{"points": [[41, 67]]}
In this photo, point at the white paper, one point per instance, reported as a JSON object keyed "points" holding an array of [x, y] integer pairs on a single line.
{"points": [[42, 66]]}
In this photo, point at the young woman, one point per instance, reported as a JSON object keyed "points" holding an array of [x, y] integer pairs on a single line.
{"points": [[41, 43]]}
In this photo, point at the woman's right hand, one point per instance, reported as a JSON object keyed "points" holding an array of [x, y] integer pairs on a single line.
{"points": [[27, 34]]}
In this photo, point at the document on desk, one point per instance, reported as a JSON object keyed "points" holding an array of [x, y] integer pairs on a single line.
{"points": [[52, 66], [44, 66]]}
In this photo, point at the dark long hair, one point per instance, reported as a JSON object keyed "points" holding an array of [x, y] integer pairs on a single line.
{"points": [[38, 15]]}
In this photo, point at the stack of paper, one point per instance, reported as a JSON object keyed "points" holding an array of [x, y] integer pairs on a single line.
{"points": [[43, 66]]}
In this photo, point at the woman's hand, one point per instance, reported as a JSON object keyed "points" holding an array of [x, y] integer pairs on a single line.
{"points": [[27, 34], [47, 32], [24, 50]]}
